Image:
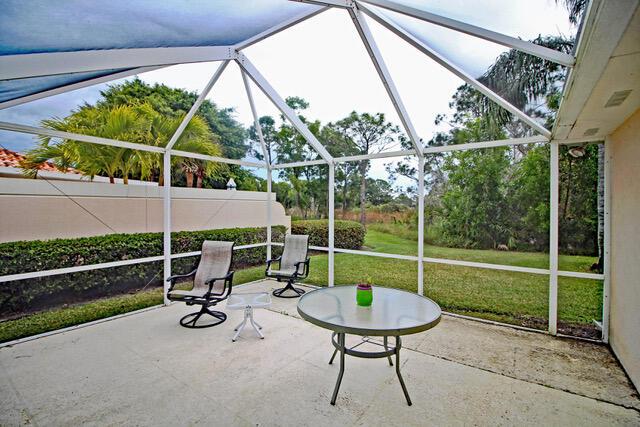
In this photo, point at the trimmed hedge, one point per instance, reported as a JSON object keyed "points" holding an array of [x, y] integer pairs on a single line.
{"points": [[23, 296], [348, 234]]}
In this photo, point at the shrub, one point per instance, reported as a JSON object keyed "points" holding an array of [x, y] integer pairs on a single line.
{"points": [[348, 234], [34, 294]]}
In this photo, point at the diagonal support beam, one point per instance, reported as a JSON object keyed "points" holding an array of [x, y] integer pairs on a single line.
{"points": [[385, 76], [268, 90], [74, 86], [472, 30], [446, 63], [196, 105], [278, 28], [256, 120]]}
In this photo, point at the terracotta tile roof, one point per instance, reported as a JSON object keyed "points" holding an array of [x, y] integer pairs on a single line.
{"points": [[11, 159]]}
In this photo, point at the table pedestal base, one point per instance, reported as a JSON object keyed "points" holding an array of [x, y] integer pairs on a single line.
{"points": [[338, 341], [248, 315]]}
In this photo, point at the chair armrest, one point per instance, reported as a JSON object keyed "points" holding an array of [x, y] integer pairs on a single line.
{"points": [[270, 261], [228, 280], [305, 269], [173, 278]]}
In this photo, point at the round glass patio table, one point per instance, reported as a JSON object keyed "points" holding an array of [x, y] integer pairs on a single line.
{"points": [[393, 313]]}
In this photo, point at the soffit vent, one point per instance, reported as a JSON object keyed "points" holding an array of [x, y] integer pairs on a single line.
{"points": [[617, 98], [591, 132]]}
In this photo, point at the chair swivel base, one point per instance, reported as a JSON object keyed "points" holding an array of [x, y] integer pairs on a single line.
{"points": [[191, 319], [280, 292]]}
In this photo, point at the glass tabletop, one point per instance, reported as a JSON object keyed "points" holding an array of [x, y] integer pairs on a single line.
{"points": [[393, 312]]}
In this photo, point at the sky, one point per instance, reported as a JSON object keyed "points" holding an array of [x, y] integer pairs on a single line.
{"points": [[324, 61]]}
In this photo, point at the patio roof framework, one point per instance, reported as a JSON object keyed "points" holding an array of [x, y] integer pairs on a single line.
{"points": [[129, 61]]}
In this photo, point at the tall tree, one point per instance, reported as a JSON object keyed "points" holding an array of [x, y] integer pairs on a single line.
{"points": [[174, 102], [367, 133]]}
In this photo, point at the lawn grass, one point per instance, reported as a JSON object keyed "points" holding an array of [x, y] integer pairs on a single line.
{"points": [[76, 314], [517, 298], [403, 240]]}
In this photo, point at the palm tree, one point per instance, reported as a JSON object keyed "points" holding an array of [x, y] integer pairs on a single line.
{"points": [[195, 138], [121, 123], [133, 123]]}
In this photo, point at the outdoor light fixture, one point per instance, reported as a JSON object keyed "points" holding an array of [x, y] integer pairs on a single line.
{"points": [[577, 152]]}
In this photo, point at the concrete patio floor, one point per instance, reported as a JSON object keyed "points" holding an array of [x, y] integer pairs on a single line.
{"points": [[145, 369]]}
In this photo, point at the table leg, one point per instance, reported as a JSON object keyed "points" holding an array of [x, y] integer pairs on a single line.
{"points": [[386, 347], [333, 356], [341, 347], [404, 387], [256, 327]]}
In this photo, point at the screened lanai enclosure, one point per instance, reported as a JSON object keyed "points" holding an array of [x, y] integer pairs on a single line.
{"points": [[52, 48]]}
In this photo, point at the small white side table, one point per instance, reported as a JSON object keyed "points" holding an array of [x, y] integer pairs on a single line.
{"points": [[248, 302]]}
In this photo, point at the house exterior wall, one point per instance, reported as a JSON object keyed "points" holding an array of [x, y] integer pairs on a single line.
{"points": [[624, 331], [37, 210]]}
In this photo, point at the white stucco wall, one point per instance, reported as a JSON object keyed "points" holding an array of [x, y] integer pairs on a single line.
{"points": [[625, 246], [35, 209]]}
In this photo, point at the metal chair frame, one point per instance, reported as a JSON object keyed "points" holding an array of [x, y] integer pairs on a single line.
{"points": [[208, 299]]}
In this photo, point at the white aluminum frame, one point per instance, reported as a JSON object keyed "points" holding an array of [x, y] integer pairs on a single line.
{"points": [[149, 59], [265, 153], [383, 72], [606, 288], [79, 85], [277, 100], [449, 65], [472, 30], [47, 64], [554, 190], [278, 28]]}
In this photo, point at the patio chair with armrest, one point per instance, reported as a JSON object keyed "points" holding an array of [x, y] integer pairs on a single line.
{"points": [[212, 283], [292, 265]]}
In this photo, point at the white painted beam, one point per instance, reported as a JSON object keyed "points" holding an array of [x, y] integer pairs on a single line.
{"points": [[421, 225], [291, 115], [449, 65], [278, 28], [266, 155], [472, 30], [190, 155], [606, 291], [78, 137], [166, 225], [74, 86], [45, 64], [196, 105], [298, 164], [332, 229], [553, 237], [372, 48], [380, 155], [486, 144], [256, 120], [328, 3]]}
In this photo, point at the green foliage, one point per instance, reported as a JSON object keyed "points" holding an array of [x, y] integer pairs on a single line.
{"points": [[503, 296], [348, 234], [34, 294], [473, 205], [139, 123], [173, 102]]}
